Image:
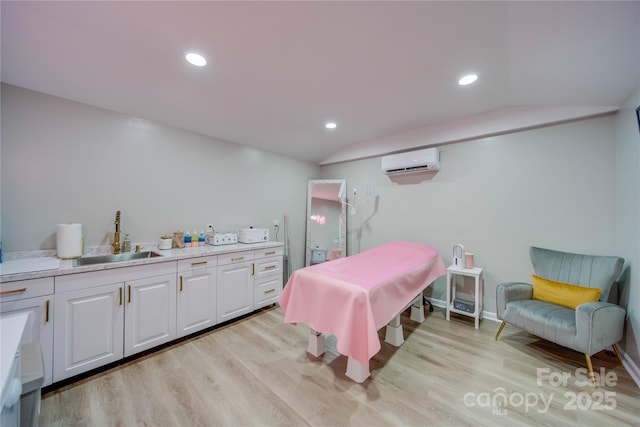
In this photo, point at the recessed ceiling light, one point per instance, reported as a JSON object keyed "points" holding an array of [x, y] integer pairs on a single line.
{"points": [[331, 125], [195, 59], [467, 80]]}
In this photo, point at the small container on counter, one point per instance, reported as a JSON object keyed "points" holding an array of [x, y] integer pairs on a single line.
{"points": [[165, 242], [178, 239], [126, 244], [187, 240]]}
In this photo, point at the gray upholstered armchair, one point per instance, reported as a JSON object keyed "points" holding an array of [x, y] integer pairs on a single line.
{"points": [[589, 328]]}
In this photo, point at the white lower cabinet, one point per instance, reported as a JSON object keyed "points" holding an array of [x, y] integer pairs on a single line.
{"points": [[150, 313], [268, 277], [235, 285], [88, 329], [196, 305], [91, 327], [87, 320], [34, 296]]}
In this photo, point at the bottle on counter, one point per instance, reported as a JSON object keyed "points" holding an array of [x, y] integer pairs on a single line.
{"points": [[187, 239], [126, 244], [194, 238], [201, 238]]}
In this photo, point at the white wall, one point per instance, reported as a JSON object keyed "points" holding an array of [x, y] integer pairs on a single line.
{"points": [[64, 161], [571, 187], [551, 187], [628, 217]]}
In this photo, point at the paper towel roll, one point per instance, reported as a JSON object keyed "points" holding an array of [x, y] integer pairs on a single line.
{"points": [[69, 241]]}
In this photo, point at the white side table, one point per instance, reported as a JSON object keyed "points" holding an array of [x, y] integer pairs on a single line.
{"points": [[474, 272]]}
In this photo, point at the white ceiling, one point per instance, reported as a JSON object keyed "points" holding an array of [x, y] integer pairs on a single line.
{"points": [[278, 70]]}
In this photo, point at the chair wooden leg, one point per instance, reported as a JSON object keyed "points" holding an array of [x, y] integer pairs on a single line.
{"points": [[590, 366], [500, 330], [617, 352]]}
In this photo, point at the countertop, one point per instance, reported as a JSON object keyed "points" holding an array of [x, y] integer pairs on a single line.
{"points": [[66, 266], [12, 328]]}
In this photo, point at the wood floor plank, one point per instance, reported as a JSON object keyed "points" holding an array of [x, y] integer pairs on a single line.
{"points": [[256, 372]]}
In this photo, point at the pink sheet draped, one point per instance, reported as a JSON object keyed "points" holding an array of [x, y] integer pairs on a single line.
{"points": [[355, 296]]}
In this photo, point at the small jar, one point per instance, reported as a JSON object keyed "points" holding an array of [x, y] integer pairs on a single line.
{"points": [[178, 239], [126, 245], [165, 242]]}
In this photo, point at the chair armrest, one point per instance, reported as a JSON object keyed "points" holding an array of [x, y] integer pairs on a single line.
{"points": [[511, 291], [598, 325]]}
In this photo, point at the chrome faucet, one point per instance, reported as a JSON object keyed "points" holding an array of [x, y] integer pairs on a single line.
{"points": [[116, 235]]}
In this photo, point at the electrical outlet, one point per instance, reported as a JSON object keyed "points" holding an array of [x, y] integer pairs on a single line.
{"points": [[276, 223], [209, 228]]}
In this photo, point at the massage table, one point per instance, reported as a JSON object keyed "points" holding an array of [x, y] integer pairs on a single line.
{"points": [[353, 297]]}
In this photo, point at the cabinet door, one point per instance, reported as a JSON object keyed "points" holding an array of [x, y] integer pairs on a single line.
{"points": [[235, 290], [88, 329], [196, 300], [150, 313], [40, 327]]}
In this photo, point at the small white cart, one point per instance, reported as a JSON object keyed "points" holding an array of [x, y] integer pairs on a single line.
{"points": [[476, 273]]}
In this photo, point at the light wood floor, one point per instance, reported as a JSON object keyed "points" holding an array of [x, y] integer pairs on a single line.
{"points": [[256, 372]]}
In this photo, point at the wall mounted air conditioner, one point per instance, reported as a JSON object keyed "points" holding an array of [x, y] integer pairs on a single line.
{"points": [[426, 160]]}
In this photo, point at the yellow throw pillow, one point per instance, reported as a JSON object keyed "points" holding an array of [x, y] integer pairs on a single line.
{"points": [[563, 294]]}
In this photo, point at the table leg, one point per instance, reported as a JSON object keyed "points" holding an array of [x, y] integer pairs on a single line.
{"points": [[417, 309], [448, 301], [356, 371], [316, 343], [394, 335], [477, 297], [481, 295]]}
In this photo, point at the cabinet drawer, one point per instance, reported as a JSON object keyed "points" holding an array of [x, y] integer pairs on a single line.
{"points": [[267, 291], [268, 266], [268, 252], [235, 257], [21, 289], [72, 282], [197, 264]]}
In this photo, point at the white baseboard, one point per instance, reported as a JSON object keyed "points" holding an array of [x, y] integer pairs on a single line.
{"points": [[629, 364], [631, 367]]}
